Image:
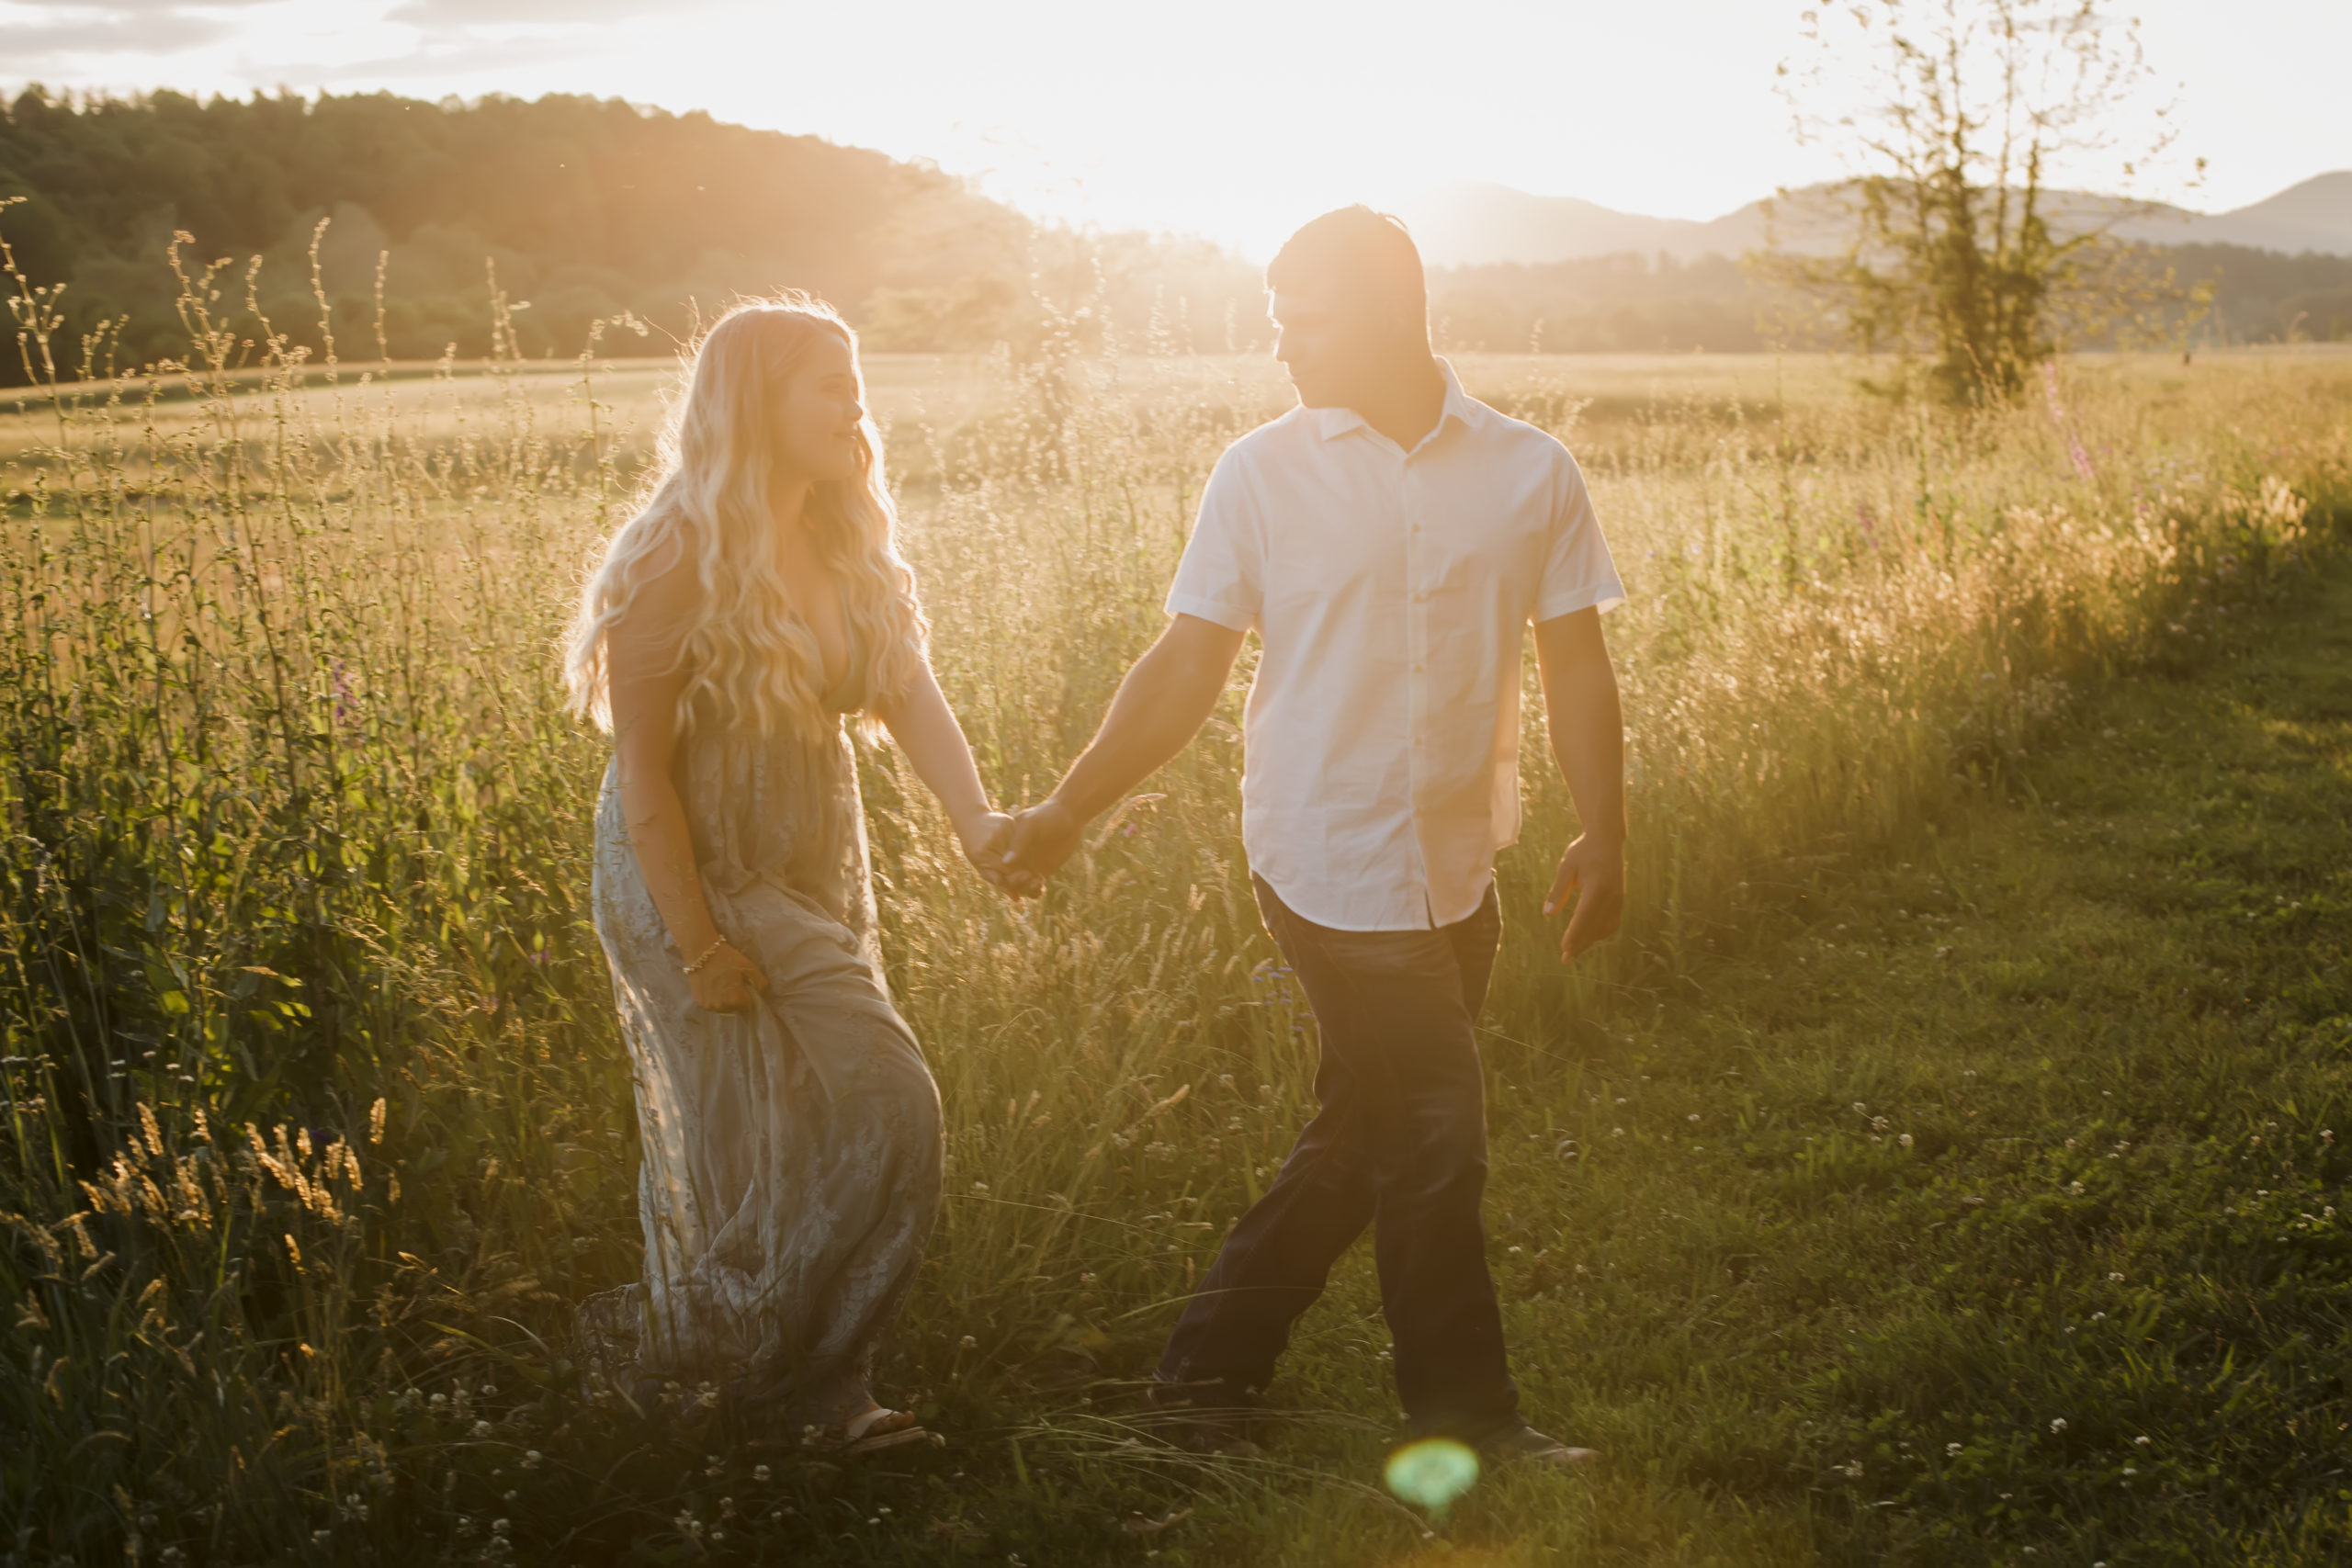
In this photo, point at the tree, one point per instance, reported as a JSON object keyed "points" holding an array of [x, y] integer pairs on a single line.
{"points": [[1952, 245]]}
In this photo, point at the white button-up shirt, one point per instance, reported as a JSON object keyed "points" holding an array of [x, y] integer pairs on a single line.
{"points": [[1392, 591]]}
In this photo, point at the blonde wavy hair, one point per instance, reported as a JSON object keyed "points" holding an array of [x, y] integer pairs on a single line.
{"points": [[751, 660]]}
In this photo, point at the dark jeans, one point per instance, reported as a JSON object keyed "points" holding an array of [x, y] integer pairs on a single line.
{"points": [[1399, 1144]]}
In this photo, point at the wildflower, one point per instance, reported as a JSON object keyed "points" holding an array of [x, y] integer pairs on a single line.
{"points": [[760, 1472], [2115, 1279], [2057, 1423], [980, 1186], [1951, 1451], [968, 1343], [1905, 1140]]}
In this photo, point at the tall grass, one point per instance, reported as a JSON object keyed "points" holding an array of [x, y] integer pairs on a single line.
{"points": [[317, 1118]]}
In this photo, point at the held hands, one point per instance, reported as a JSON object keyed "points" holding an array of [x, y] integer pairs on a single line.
{"points": [[1593, 870], [1043, 838], [986, 839], [1017, 852]]}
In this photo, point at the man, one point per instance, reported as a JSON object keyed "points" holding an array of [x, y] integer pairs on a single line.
{"points": [[1389, 539]]}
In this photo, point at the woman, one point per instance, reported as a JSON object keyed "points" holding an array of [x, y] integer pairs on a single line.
{"points": [[791, 1131]]}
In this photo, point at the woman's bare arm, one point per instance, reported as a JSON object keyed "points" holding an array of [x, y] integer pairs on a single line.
{"points": [[645, 680], [924, 727]]}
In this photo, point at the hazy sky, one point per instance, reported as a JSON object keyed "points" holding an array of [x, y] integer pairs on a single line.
{"points": [[1232, 118]]}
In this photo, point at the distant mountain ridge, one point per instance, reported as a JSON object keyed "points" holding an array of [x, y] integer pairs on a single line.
{"points": [[1476, 223]]}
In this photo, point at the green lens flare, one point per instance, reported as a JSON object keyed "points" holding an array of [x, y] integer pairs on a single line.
{"points": [[1433, 1473]]}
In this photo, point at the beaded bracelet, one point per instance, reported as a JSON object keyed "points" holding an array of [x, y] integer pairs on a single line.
{"points": [[708, 955]]}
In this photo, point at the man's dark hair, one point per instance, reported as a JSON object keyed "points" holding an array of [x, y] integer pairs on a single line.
{"points": [[1369, 255]]}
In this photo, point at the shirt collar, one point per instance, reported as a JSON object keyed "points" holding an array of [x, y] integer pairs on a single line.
{"points": [[1333, 422]]}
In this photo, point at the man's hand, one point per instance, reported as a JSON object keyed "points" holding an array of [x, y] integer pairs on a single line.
{"points": [[1043, 838], [1594, 871]]}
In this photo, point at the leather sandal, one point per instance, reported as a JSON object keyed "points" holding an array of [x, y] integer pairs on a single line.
{"points": [[878, 1429]]}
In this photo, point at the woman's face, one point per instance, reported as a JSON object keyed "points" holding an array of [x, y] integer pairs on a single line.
{"points": [[818, 411]]}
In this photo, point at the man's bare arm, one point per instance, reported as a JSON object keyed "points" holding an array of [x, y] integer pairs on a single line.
{"points": [[1160, 707], [1588, 727]]}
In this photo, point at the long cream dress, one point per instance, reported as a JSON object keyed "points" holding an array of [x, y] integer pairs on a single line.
{"points": [[793, 1151]]}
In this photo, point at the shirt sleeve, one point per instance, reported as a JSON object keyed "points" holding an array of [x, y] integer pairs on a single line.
{"points": [[1578, 573], [1222, 576]]}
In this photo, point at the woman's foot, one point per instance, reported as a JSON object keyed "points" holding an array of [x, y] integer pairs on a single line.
{"points": [[872, 1429]]}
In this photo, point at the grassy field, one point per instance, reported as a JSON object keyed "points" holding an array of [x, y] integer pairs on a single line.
{"points": [[1965, 828]]}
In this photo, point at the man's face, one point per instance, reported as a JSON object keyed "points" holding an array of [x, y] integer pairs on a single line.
{"points": [[1330, 345]]}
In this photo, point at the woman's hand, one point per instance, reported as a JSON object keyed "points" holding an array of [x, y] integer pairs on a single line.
{"points": [[727, 982]]}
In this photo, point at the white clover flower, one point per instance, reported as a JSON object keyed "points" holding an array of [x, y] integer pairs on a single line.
{"points": [[1905, 1140]]}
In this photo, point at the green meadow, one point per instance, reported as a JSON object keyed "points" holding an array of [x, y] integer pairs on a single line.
{"points": [[1939, 1168]]}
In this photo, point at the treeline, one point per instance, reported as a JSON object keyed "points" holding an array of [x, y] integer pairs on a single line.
{"points": [[585, 209], [1616, 304], [1631, 303]]}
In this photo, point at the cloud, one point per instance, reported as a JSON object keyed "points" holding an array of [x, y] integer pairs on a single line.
{"points": [[474, 14], [108, 27], [442, 61]]}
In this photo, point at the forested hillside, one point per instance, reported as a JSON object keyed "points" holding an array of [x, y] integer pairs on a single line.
{"points": [[586, 207], [1633, 303]]}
